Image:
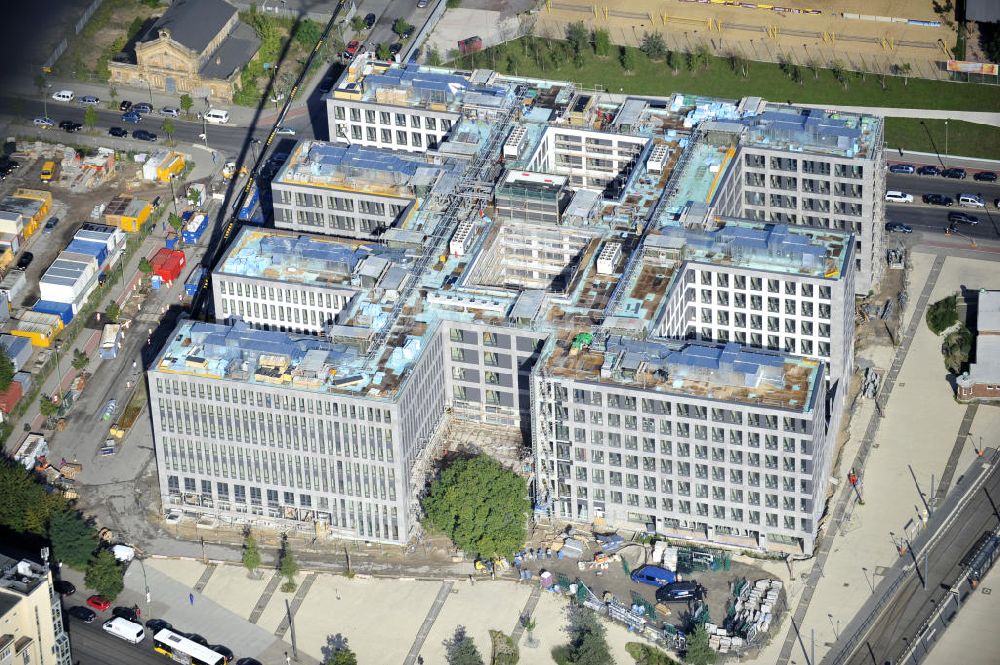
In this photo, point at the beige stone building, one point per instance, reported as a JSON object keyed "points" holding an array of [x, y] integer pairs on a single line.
{"points": [[31, 622], [197, 47]]}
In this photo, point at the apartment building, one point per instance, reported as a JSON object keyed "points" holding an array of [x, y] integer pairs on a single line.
{"points": [[31, 621], [283, 281], [601, 161], [349, 191], [696, 441], [815, 168], [270, 429]]}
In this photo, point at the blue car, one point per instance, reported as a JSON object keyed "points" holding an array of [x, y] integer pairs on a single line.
{"points": [[901, 168], [132, 117]]}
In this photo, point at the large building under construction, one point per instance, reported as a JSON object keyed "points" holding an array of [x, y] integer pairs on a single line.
{"points": [[588, 271]]}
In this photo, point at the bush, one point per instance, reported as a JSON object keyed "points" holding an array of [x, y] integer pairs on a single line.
{"points": [[627, 59], [602, 42], [644, 654], [943, 314], [956, 349], [653, 46]]}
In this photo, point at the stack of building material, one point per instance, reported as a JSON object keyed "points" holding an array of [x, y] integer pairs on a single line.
{"points": [[573, 548]]}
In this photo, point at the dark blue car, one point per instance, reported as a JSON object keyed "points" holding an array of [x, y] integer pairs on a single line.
{"points": [[132, 117]]}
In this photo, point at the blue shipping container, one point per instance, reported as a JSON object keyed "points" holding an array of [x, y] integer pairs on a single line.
{"points": [[63, 310], [192, 235], [96, 249]]}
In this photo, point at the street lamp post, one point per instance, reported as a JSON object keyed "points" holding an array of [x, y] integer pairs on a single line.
{"points": [[149, 87], [57, 345], [946, 138]]}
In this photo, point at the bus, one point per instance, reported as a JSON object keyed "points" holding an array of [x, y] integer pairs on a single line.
{"points": [[182, 650]]}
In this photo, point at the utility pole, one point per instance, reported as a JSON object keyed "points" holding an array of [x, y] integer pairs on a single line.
{"points": [[291, 626]]}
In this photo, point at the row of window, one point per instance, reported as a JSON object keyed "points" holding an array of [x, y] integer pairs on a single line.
{"points": [[276, 314], [372, 117], [774, 285], [283, 295]]}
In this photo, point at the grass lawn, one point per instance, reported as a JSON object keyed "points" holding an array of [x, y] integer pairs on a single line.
{"points": [[964, 138], [553, 59]]}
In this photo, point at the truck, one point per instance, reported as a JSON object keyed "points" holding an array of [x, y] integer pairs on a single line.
{"points": [[111, 341], [249, 204]]}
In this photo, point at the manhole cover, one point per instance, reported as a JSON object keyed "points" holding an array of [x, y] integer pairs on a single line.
{"points": [[987, 591], [902, 384]]}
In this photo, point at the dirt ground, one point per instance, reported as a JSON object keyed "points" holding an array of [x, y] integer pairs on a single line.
{"points": [[111, 21], [766, 35]]}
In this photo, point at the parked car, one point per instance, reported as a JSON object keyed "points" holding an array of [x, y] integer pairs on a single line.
{"points": [[172, 111], [352, 49], [893, 196], [128, 613], [117, 132], [63, 96], [84, 614], [929, 169], [954, 173], [125, 105], [654, 575], [971, 201], [985, 176], [64, 588], [49, 226], [938, 200], [156, 625], [99, 603], [70, 126], [408, 32], [109, 409], [422, 3], [896, 227], [142, 107], [25, 261], [901, 168], [370, 20], [42, 121], [132, 117], [394, 49], [248, 661], [678, 592], [143, 135], [90, 100], [963, 218], [284, 131], [195, 637]]}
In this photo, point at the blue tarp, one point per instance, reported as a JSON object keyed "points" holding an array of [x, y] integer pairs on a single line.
{"points": [[63, 310]]}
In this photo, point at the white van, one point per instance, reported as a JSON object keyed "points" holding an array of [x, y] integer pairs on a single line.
{"points": [[971, 201], [217, 116], [64, 96], [125, 630]]}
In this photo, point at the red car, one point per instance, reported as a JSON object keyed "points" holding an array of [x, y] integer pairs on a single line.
{"points": [[99, 603], [352, 48]]}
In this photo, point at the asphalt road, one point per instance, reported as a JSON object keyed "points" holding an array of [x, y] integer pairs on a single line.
{"points": [[897, 626], [92, 646], [405, 9], [935, 218]]}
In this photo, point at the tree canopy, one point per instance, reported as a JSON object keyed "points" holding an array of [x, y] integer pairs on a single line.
{"points": [[481, 506], [699, 652], [6, 369], [461, 650], [26, 506], [73, 540], [587, 642], [104, 575], [251, 553]]}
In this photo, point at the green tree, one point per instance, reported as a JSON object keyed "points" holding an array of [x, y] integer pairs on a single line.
{"points": [[587, 642], [358, 23], [627, 59], [168, 127], [461, 650], [251, 554], [186, 103], [699, 652], [46, 406], [113, 311], [6, 369], [73, 540], [80, 359], [956, 349], [383, 52], [104, 575], [578, 37], [940, 316], [342, 657], [481, 506], [433, 57], [454, 4], [646, 654], [653, 46], [400, 26], [90, 117], [175, 221], [602, 42], [145, 267], [308, 33], [289, 567], [26, 506]]}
